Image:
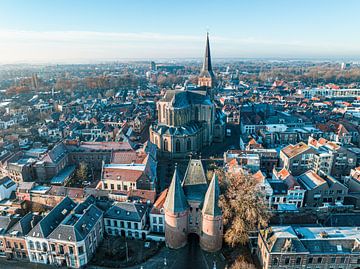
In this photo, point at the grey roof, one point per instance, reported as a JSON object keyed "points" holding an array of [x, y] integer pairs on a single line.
{"points": [[184, 98], [278, 187], [210, 206], [195, 183], [207, 67], [188, 129], [6, 222], [76, 227], [53, 219], [329, 246], [80, 208], [7, 182], [25, 224], [126, 211], [175, 201]]}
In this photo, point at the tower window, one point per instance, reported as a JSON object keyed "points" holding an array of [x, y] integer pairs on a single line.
{"points": [[165, 145], [188, 144], [177, 146]]}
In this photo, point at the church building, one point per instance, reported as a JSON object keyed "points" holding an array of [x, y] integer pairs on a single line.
{"points": [[188, 119]]}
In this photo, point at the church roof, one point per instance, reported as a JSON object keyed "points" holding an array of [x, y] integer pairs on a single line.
{"points": [[184, 98], [210, 206], [175, 200], [190, 128], [195, 183]]}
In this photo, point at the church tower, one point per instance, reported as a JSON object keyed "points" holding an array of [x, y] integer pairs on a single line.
{"points": [[207, 77], [212, 227], [176, 214]]}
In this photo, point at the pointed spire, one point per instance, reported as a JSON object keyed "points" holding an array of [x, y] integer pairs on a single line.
{"points": [[175, 200], [207, 59], [206, 71], [210, 206]]}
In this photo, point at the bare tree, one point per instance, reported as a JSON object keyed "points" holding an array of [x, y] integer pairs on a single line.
{"points": [[241, 263], [243, 206]]}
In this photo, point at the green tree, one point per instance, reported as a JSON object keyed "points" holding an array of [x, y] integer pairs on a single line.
{"points": [[243, 206]]}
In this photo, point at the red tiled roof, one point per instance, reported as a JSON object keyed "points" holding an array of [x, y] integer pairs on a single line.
{"points": [[122, 174]]}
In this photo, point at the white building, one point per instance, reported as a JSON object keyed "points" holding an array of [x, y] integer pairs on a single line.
{"points": [[7, 186], [127, 219]]}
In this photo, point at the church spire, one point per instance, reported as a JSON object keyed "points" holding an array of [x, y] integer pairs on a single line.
{"points": [[210, 206], [175, 200], [207, 59], [207, 76]]}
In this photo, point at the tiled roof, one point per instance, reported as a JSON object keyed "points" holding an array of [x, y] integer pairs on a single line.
{"points": [[122, 174], [159, 204]]}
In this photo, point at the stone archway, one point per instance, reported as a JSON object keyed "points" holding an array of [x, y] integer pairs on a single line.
{"points": [[193, 239]]}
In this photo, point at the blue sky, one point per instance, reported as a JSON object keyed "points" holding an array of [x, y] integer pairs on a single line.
{"points": [[85, 30]]}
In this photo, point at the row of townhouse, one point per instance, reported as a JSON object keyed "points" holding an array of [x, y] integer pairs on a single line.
{"points": [[42, 164], [67, 236], [295, 247], [284, 192], [320, 155], [8, 121]]}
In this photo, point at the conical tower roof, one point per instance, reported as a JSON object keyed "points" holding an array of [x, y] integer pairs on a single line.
{"points": [[207, 67], [175, 200], [210, 205]]}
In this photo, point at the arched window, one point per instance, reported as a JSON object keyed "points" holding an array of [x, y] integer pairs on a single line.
{"points": [[38, 246], [31, 244], [275, 261], [44, 246], [159, 111], [188, 144], [177, 145], [165, 145], [164, 112]]}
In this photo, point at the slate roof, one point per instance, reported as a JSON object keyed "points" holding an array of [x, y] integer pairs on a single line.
{"points": [[184, 98], [175, 200], [126, 211], [6, 222], [283, 239], [25, 224], [7, 182], [76, 227], [210, 206], [207, 67], [187, 129], [49, 223], [279, 187], [195, 183]]}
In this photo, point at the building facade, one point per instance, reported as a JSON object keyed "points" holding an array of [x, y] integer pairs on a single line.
{"points": [[187, 119], [192, 207]]}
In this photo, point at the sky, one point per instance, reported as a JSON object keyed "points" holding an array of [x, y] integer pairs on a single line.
{"points": [[36, 31]]}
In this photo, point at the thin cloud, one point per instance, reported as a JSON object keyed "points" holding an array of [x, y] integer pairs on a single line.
{"points": [[72, 46]]}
